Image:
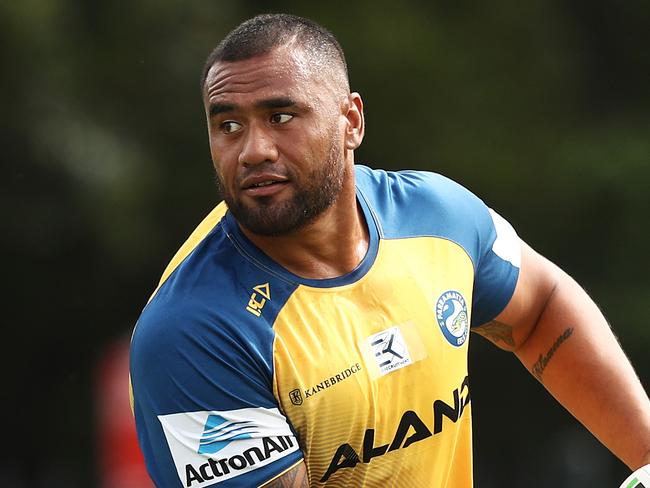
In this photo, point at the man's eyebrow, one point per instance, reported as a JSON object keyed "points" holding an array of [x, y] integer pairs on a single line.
{"points": [[219, 108], [270, 103], [281, 102]]}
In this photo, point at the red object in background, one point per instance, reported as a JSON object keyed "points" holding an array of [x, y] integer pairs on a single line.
{"points": [[120, 461]]}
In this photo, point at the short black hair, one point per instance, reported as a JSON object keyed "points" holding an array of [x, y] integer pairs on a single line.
{"points": [[263, 33]]}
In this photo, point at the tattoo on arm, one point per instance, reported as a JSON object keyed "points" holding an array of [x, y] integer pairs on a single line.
{"points": [[294, 478], [542, 362], [496, 332]]}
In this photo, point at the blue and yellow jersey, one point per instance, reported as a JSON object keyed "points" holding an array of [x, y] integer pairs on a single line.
{"points": [[240, 369]]}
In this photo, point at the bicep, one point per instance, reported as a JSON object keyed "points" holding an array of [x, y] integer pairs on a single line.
{"points": [[537, 281]]}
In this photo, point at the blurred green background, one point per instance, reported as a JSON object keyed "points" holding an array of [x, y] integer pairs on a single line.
{"points": [[540, 107]]}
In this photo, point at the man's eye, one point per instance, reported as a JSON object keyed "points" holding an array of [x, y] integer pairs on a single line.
{"points": [[281, 118], [229, 126]]}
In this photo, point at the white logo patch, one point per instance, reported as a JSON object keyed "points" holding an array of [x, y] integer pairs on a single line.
{"points": [[507, 245], [210, 447], [389, 349]]}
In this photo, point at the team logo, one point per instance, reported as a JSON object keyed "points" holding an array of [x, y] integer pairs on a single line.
{"points": [[389, 349], [295, 396], [452, 317]]}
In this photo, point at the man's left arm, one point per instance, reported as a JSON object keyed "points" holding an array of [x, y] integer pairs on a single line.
{"points": [[563, 339]]}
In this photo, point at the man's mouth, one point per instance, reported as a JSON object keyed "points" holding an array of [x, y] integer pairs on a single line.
{"points": [[263, 185]]}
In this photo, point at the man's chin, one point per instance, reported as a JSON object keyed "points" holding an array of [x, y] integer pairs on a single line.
{"points": [[268, 220]]}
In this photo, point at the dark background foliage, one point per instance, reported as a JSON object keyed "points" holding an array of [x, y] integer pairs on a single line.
{"points": [[540, 107]]}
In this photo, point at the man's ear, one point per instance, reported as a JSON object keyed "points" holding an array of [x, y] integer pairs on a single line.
{"points": [[353, 112]]}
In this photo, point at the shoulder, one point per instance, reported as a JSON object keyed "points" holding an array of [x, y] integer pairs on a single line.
{"points": [[198, 278], [202, 358], [425, 204], [210, 312], [209, 227]]}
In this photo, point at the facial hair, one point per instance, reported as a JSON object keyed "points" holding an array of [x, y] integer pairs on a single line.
{"points": [[313, 194]]}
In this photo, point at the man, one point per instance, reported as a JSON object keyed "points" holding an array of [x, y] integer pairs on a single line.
{"points": [[313, 330]]}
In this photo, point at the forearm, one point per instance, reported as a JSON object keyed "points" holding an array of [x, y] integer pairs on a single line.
{"points": [[295, 477], [573, 352]]}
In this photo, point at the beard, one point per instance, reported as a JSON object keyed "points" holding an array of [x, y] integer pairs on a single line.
{"points": [[313, 194]]}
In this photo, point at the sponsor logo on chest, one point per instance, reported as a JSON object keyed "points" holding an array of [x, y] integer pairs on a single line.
{"points": [[389, 350], [411, 429], [296, 395]]}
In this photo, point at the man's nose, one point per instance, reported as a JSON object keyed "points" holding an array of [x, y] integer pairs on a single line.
{"points": [[259, 147]]}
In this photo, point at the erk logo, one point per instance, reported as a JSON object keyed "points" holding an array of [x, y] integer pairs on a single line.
{"points": [[389, 349], [261, 293]]}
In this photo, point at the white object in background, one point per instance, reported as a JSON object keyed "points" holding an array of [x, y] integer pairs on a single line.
{"points": [[639, 479]]}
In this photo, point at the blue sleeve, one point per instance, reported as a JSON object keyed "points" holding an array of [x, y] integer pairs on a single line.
{"points": [[497, 268], [203, 395]]}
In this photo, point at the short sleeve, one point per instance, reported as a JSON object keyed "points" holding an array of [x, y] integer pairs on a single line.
{"points": [[203, 399], [420, 203], [497, 268]]}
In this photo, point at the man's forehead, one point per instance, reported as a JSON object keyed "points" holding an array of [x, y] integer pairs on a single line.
{"points": [[279, 67]]}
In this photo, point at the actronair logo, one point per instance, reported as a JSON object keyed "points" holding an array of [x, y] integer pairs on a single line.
{"points": [[219, 432], [210, 447]]}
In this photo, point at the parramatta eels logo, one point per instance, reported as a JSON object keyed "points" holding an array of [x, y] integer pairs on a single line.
{"points": [[451, 313], [219, 432]]}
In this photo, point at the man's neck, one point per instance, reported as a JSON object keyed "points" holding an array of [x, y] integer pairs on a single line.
{"points": [[331, 246]]}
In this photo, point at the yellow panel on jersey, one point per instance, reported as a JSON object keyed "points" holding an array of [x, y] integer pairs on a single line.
{"points": [[366, 376]]}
